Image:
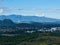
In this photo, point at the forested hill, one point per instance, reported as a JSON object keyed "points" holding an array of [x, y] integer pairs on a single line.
{"points": [[10, 23]]}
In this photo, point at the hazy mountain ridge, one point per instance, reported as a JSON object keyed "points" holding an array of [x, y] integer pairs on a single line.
{"points": [[20, 18]]}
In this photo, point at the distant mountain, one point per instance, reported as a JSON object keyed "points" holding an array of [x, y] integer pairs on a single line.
{"points": [[20, 18]]}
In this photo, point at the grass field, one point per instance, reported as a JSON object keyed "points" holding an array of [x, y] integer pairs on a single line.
{"points": [[30, 39]]}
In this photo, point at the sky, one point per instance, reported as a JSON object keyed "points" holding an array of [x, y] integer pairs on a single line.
{"points": [[47, 8]]}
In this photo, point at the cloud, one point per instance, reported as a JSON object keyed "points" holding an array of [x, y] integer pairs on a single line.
{"points": [[10, 10], [41, 14], [32, 11], [48, 9], [1, 11]]}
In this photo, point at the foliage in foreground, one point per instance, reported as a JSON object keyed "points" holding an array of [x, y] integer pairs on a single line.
{"points": [[31, 39]]}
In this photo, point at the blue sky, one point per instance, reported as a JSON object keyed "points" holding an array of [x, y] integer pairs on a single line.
{"points": [[47, 8]]}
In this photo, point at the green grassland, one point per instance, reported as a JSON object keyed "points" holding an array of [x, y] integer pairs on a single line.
{"points": [[31, 39]]}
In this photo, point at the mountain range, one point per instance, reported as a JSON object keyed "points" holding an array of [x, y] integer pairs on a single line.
{"points": [[20, 18]]}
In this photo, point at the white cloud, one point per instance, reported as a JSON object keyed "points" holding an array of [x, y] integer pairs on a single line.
{"points": [[28, 12], [41, 14], [34, 8], [1, 11]]}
